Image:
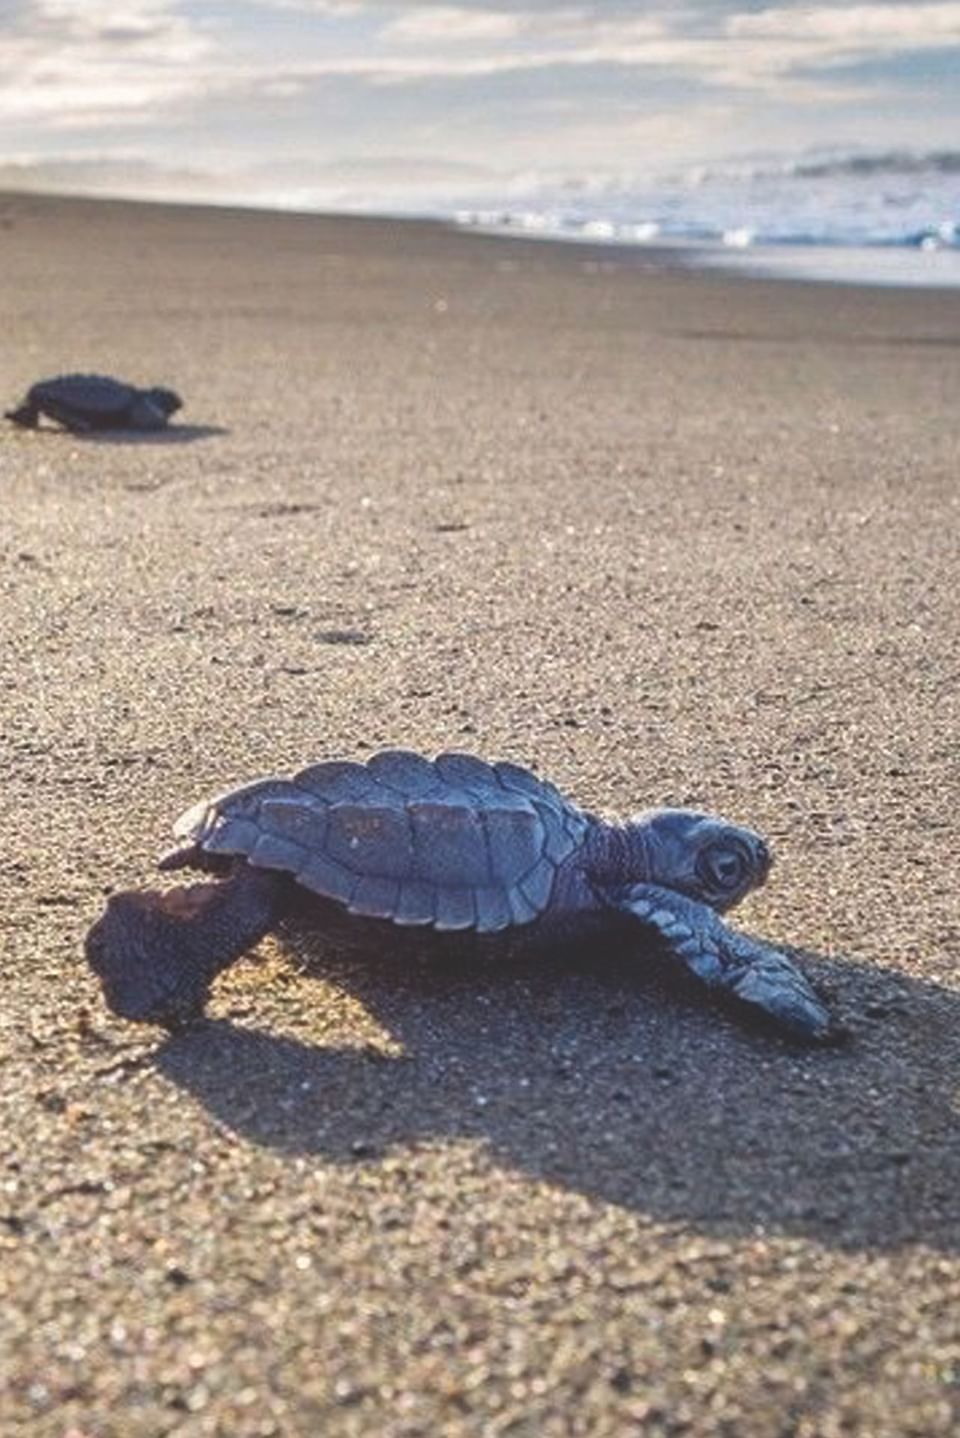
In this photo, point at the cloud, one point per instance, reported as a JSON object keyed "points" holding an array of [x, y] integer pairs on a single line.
{"points": [[570, 25], [800, 46], [68, 62], [449, 23], [722, 45], [62, 62], [874, 26], [298, 71]]}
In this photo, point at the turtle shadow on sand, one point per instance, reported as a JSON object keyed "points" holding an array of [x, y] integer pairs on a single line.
{"points": [[170, 434], [621, 1085]]}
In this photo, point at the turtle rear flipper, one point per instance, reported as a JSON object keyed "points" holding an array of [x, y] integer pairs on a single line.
{"points": [[751, 972], [156, 954]]}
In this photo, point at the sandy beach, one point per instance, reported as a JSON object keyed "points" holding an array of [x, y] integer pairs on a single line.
{"points": [[668, 536]]}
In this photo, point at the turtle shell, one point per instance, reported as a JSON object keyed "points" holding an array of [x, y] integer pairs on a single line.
{"points": [[450, 843], [87, 394]]}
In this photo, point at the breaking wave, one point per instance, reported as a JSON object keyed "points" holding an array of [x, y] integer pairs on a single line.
{"points": [[894, 198]]}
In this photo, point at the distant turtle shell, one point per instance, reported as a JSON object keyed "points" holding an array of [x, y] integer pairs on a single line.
{"points": [[87, 394], [451, 843]]}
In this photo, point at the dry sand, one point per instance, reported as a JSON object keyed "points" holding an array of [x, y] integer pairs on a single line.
{"points": [[669, 536]]}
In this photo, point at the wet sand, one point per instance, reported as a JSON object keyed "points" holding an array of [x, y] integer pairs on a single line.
{"points": [[669, 536]]}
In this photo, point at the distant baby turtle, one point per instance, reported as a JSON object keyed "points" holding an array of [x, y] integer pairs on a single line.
{"points": [[453, 845], [84, 402]]}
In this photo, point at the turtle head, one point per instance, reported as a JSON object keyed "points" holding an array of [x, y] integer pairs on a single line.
{"points": [[706, 858], [167, 401]]}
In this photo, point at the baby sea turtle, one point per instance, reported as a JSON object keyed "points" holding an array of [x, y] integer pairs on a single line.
{"points": [[83, 402], [453, 845]]}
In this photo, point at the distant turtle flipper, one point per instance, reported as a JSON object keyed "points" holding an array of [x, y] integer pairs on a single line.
{"points": [[144, 413], [752, 972]]}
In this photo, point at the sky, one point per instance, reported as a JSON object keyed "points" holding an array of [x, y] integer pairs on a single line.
{"points": [[372, 98]]}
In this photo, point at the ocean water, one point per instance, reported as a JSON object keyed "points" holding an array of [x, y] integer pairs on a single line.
{"points": [[891, 218]]}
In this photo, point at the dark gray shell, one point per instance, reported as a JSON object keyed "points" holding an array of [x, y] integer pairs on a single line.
{"points": [[453, 842], [94, 395]]}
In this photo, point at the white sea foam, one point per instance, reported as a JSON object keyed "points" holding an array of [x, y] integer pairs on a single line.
{"points": [[851, 201], [789, 214]]}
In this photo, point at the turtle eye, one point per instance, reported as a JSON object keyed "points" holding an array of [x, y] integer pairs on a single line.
{"points": [[723, 868]]}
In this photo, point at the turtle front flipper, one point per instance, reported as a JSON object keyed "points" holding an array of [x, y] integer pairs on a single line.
{"points": [[144, 414], [749, 971]]}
